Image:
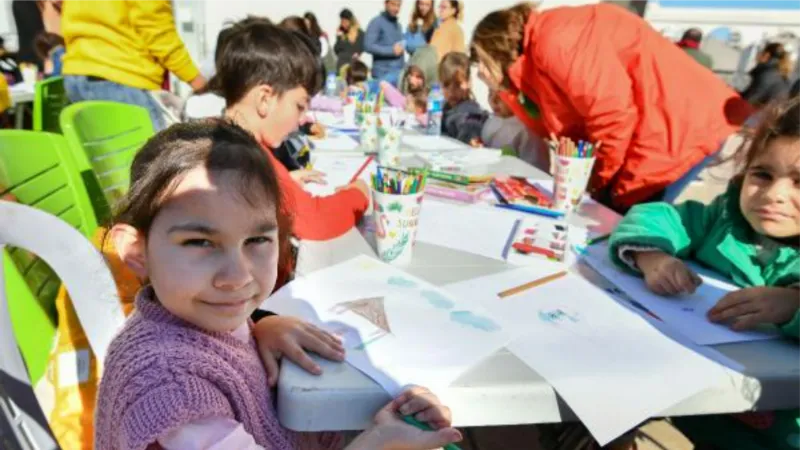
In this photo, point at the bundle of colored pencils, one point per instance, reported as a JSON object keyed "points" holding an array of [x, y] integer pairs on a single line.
{"points": [[398, 182], [565, 146]]}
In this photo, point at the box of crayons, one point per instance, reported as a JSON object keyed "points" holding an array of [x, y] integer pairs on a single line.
{"points": [[517, 193]]}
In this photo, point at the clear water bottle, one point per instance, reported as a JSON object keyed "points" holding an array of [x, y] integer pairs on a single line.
{"points": [[331, 85], [435, 110]]}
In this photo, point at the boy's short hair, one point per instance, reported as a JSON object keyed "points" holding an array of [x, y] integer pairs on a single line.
{"points": [[225, 34], [357, 72], [260, 53], [454, 69]]}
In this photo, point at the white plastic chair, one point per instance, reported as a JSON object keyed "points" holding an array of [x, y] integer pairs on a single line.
{"points": [[93, 291]]}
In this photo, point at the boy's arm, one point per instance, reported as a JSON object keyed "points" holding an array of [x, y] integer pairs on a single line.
{"points": [[676, 230], [371, 41]]}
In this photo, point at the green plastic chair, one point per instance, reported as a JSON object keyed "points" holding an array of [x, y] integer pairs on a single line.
{"points": [[49, 100], [37, 169], [104, 137]]}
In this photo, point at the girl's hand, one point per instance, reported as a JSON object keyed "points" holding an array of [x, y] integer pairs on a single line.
{"points": [[361, 185], [666, 275], [475, 142], [749, 307], [304, 176], [291, 337], [390, 432]]}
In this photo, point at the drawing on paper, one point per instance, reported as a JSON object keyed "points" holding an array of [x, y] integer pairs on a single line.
{"points": [[437, 300], [471, 319], [557, 316], [371, 309], [371, 340], [401, 282]]}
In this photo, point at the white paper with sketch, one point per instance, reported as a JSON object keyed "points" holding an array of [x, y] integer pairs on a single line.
{"points": [[425, 143], [338, 170], [397, 329], [472, 161], [338, 143], [468, 228], [686, 314], [606, 362]]}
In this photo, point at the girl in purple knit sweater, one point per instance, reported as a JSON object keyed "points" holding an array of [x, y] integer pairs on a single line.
{"points": [[200, 224]]}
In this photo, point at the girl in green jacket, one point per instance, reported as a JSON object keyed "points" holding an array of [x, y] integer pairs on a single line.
{"points": [[749, 234]]}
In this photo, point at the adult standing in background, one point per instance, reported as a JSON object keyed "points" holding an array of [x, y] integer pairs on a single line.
{"points": [[769, 79], [690, 43], [602, 74], [28, 20], [349, 39], [449, 37], [317, 32], [384, 40], [119, 51], [421, 26]]}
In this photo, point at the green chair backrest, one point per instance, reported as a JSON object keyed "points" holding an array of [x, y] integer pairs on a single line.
{"points": [[104, 137], [37, 169], [49, 100]]}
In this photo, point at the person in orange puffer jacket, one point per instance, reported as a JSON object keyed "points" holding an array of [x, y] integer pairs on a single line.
{"points": [[600, 73]]}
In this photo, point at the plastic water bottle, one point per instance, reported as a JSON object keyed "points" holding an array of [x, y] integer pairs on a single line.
{"points": [[435, 110], [331, 85]]}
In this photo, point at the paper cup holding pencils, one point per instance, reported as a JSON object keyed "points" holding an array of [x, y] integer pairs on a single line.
{"points": [[396, 204], [571, 178], [571, 166], [389, 137]]}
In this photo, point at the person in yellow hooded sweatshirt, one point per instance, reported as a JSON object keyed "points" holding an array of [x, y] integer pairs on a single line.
{"points": [[120, 51]]}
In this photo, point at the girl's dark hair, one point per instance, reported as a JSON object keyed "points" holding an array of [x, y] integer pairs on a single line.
{"points": [[45, 42], [346, 14], [414, 70], [296, 23], [357, 72], [259, 53], [313, 25], [428, 20], [459, 7], [782, 119], [220, 147]]}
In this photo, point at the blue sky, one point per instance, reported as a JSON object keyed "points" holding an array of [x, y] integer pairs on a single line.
{"points": [[750, 4]]}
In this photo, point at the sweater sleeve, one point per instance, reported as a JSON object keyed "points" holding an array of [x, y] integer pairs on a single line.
{"points": [[675, 230], [320, 218], [168, 407], [792, 328], [371, 41], [155, 23]]}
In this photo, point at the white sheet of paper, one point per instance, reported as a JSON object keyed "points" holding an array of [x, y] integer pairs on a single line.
{"points": [[338, 172], [338, 143], [686, 314], [605, 361], [397, 329], [469, 228], [425, 143]]}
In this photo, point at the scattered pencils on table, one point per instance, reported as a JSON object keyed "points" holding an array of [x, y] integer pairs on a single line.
{"points": [[565, 146], [398, 182]]}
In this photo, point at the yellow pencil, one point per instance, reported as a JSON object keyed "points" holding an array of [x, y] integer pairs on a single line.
{"points": [[530, 285]]}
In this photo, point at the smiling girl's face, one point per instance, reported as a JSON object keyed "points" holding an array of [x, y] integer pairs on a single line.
{"points": [[210, 255], [770, 197]]}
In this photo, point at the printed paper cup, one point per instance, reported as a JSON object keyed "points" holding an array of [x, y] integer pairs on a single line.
{"points": [[396, 221], [368, 131], [389, 138], [571, 176]]}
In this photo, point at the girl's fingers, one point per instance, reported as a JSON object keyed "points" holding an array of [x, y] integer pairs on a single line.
{"points": [[271, 366], [738, 310], [435, 416], [321, 346], [297, 355], [329, 339], [747, 321]]}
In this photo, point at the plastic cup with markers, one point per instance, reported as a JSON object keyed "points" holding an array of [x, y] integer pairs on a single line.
{"points": [[397, 201], [390, 134]]}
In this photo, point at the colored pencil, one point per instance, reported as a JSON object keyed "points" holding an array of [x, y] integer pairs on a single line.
{"points": [[532, 284], [598, 239], [361, 169], [425, 427]]}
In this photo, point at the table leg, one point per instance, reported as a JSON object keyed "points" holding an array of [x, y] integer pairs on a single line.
{"points": [[19, 116]]}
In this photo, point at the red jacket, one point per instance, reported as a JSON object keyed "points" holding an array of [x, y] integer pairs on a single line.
{"points": [[318, 218], [601, 73]]}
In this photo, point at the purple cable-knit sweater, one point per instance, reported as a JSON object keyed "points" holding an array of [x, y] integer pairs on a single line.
{"points": [[162, 372]]}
